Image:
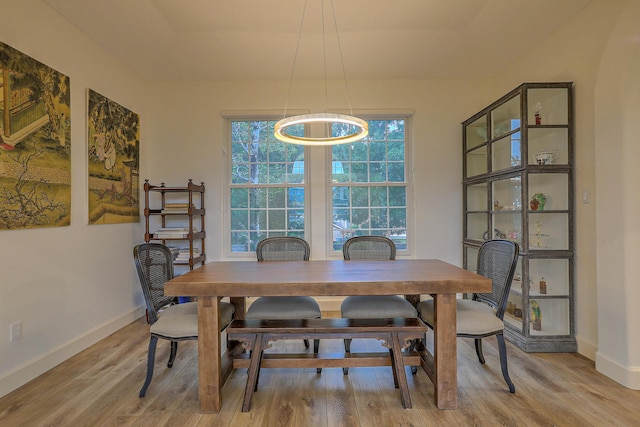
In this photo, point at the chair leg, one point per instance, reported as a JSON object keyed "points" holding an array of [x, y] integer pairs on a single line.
{"points": [[479, 350], [412, 347], [347, 349], [151, 356], [503, 362], [172, 355], [316, 347]]}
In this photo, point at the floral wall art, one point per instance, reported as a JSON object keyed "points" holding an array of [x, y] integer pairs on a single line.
{"points": [[114, 140], [35, 143]]}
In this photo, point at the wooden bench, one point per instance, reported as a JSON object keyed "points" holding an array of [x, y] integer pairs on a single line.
{"points": [[256, 335]]}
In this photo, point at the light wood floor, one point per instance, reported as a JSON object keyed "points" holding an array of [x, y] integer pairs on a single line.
{"points": [[99, 387]]}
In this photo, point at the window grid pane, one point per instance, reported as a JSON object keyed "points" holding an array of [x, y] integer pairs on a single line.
{"points": [[267, 185], [369, 185]]}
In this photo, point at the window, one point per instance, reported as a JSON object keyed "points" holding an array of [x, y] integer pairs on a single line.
{"points": [[369, 188], [267, 189], [269, 194]]}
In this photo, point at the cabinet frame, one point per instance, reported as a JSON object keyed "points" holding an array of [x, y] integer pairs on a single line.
{"points": [[555, 128]]}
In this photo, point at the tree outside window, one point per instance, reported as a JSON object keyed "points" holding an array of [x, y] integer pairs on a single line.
{"points": [[369, 189], [267, 190]]}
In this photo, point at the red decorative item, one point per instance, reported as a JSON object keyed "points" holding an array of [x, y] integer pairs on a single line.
{"points": [[533, 204], [538, 119]]}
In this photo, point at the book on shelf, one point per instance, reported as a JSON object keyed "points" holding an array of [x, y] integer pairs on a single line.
{"points": [[172, 232], [184, 254], [174, 251], [177, 208]]}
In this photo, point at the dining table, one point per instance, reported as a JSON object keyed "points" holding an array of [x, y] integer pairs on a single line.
{"points": [[238, 280]]}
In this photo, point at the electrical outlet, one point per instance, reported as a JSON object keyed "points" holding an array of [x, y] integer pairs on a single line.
{"points": [[15, 331]]}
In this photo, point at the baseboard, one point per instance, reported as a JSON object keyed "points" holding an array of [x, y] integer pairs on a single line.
{"points": [[22, 374], [587, 348], [628, 376]]}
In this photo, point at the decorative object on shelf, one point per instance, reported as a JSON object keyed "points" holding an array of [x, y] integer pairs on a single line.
{"points": [[538, 233], [537, 202], [497, 234], [517, 312], [545, 157], [511, 307], [543, 286], [536, 316], [497, 206], [537, 114]]}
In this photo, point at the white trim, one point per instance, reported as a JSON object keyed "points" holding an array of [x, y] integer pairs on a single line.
{"points": [[382, 114], [30, 369], [628, 376], [587, 348]]}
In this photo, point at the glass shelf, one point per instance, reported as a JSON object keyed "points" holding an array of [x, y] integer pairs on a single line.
{"points": [[554, 273], [505, 152], [476, 133], [505, 118], [554, 314], [554, 187], [477, 197], [548, 146], [476, 226], [549, 231], [476, 161], [550, 104]]}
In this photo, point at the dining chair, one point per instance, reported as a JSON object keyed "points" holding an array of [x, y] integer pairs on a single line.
{"points": [[373, 306], [482, 316], [285, 248], [168, 320]]}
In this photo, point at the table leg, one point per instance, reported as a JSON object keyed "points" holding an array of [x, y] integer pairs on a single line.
{"points": [[209, 360], [240, 303], [445, 352]]}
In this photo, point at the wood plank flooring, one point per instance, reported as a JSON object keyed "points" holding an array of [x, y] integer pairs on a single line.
{"points": [[99, 387]]}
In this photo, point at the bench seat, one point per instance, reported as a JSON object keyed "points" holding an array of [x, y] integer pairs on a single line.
{"points": [[256, 335]]}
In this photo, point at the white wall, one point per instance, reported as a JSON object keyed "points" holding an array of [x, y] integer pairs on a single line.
{"points": [[189, 143], [70, 286], [617, 150]]}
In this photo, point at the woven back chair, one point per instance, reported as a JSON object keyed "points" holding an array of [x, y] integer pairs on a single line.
{"points": [[482, 315], [168, 320], [285, 248], [369, 248], [375, 248]]}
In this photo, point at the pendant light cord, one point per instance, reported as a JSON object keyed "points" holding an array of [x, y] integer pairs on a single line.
{"points": [[295, 59], [344, 73]]}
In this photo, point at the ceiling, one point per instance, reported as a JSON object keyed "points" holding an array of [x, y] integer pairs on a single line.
{"points": [[199, 40]]}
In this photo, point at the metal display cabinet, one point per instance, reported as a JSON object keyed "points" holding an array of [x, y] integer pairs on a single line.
{"points": [[518, 161]]}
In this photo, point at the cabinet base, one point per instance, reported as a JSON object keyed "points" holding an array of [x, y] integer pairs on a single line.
{"points": [[544, 344]]}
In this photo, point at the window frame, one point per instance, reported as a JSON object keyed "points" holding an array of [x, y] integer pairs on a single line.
{"points": [[407, 116], [230, 117], [317, 170]]}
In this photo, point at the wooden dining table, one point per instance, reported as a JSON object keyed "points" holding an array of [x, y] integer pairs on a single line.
{"points": [[410, 277]]}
